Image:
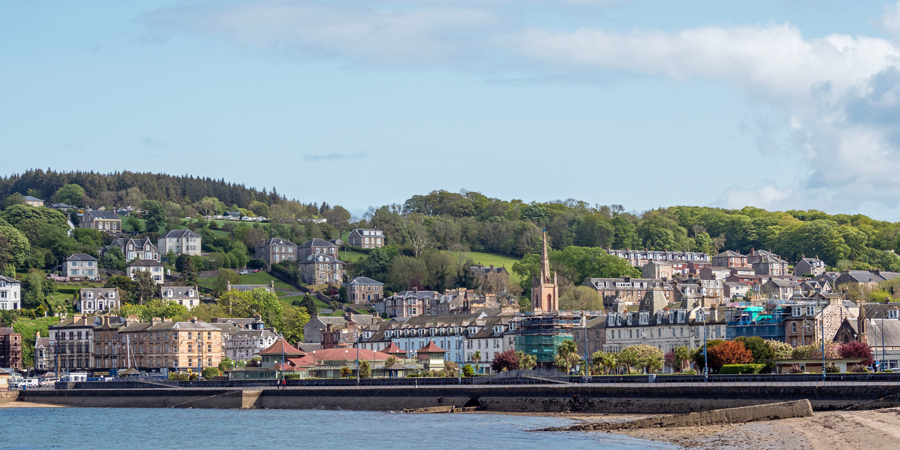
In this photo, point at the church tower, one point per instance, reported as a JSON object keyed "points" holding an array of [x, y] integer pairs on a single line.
{"points": [[861, 325], [544, 293]]}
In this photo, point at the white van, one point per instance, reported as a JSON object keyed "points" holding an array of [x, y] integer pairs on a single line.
{"points": [[31, 382]]}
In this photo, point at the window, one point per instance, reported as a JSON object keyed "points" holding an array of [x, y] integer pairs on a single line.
{"points": [[793, 327]]}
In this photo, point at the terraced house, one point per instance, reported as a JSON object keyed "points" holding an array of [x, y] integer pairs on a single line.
{"points": [[187, 296], [176, 346], [73, 337]]}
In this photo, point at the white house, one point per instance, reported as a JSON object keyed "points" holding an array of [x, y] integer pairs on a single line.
{"points": [[10, 293]]}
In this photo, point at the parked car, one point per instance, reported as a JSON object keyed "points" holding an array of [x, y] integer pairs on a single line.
{"points": [[244, 272], [255, 270]]}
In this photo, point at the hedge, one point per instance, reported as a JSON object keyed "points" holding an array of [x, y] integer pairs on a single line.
{"points": [[741, 369]]}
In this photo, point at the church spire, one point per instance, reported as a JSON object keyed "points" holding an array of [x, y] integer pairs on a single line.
{"points": [[861, 326], [545, 261]]}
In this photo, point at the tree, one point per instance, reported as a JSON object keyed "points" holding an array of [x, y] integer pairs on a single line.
{"points": [[682, 358], [225, 278], [758, 347], [476, 357], [365, 371], [582, 298], [134, 223], [505, 361], [310, 304], [14, 246], [189, 274], [566, 356], [247, 303], [604, 362], [729, 352], [857, 349], [526, 362], [468, 371], [154, 215], [71, 194], [211, 372], [339, 218], [228, 364], [14, 199], [641, 357], [33, 289], [346, 372], [407, 273], [295, 319], [780, 350], [114, 259], [697, 354], [416, 233], [145, 287]]}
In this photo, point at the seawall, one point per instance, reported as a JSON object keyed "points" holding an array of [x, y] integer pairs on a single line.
{"points": [[574, 398], [8, 396]]}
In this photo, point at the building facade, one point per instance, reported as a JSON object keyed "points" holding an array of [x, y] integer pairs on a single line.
{"points": [[180, 242], [187, 296], [95, 300], [361, 290], [154, 268], [132, 249], [81, 267], [10, 349], [366, 238], [175, 346], [317, 247], [72, 343], [10, 294], [638, 258], [107, 221], [276, 251], [321, 269]]}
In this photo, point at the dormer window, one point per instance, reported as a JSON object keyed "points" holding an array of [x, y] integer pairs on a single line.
{"points": [[645, 318], [169, 293], [112, 295], [795, 311], [89, 295], [894, 314], [810, 310], [190, 292]]}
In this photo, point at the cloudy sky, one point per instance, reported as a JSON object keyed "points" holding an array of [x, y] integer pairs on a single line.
{"points": [[778, 104]]}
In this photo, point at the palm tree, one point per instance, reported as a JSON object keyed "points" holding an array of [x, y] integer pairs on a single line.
{"points": [[567, 356], [605, 361], [476, 357]]}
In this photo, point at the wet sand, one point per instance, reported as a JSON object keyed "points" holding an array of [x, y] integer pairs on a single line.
{"points": [[825, 430], [28, 405]]}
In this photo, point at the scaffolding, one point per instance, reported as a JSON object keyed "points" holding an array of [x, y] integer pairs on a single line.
{"points": [[541, 335]]}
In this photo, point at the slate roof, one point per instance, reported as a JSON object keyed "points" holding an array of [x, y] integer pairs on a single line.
{"points": [[317, 243], [320, 257], [9, 280], [181, 234], [364, 280], [146, 263], [29, 198], [105, 215], [178, 292], [731, 253], [276, 241], [81, 257]]}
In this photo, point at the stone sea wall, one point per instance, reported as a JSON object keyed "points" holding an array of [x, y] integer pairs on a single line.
{"points": [[588, 399]]}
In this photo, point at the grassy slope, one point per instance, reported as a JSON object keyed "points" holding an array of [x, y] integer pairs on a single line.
{"points": [[497, 260], [251, 278]]}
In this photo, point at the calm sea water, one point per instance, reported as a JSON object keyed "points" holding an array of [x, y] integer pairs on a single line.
{"points": [[134, 429]]}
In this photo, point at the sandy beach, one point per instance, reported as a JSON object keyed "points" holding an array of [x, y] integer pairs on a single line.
{"points": [[825, 430]]}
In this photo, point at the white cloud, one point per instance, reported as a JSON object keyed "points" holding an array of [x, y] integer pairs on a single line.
{"points": [[889, 22], [838, 97], [319, 29], [767, 196]]}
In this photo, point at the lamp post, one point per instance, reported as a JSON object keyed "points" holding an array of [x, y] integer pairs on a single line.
{"points": [[883, 362], [357, 358], [586, 373], [822, 312], [705, 351]]}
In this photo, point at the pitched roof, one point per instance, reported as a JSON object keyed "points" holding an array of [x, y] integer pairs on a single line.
{"points": [[431, 348], [320, 257], [317, 243], [31, 199], [282, 347], [9, 280], [105, 215], [181, 234], [146, 262], [731, 253], [276, 241], [81, 257], [364, 280], [392, 349]]}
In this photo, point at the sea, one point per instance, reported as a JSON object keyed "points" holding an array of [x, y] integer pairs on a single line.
{"points": [[135, 429]]}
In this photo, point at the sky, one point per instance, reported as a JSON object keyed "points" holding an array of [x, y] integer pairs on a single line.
{"points": [[787, 104]]}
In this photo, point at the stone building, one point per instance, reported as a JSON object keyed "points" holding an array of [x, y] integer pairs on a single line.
{"points": [[638, 258], [657, 270], [10, 294], [361, 290], [107, 221], [626, 290], [107, 350], [73, 339], [408, 303], [544, 290], [43, 359], [176, 346], [366, 238], [804, 323], [245, 344], [276, 251], [317, 247], [592, 337], [809, 267], [180, 242], [321, 269], [490, 279], [10, 349], [730, 258]]}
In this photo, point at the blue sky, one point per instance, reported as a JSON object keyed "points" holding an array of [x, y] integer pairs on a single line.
{"points": [[778, 104]]}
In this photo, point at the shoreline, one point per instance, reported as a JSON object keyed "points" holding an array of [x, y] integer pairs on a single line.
{"points": [[18, 404], [824, 431]]}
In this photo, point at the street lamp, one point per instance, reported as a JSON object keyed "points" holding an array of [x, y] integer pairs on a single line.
{"points": [[705, 350]]}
